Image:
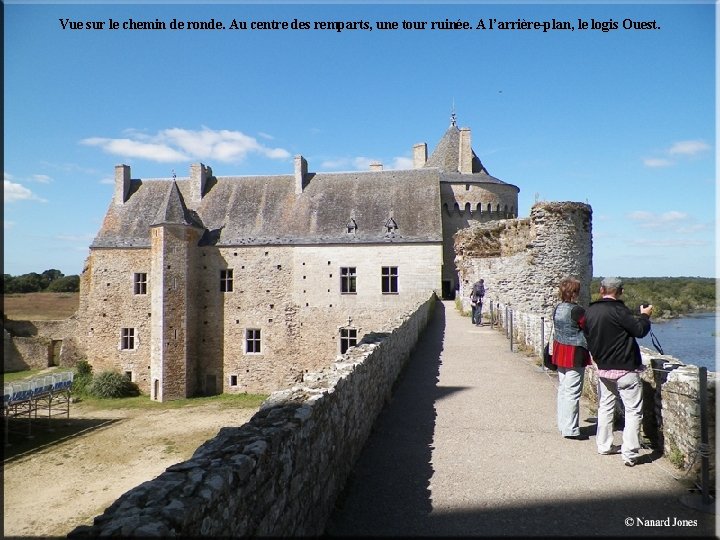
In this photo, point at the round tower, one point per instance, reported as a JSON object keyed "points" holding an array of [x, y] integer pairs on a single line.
{"points": [[468, 194]]}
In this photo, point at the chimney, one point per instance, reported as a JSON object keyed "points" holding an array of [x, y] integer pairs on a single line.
{"points": [[301, 170], [419, 155], [376, 166], [122, 183], [199, 175], [465, 157]]}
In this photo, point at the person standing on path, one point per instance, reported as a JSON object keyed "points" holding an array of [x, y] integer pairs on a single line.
{"points": [[476, 301], [611, 329], [570, 355]]}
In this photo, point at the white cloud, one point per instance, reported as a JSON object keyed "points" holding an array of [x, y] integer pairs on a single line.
{"points": [[688, 148], [14, 192], [667, 242], [401, 163], [74, 237], [134, 149], [8, 224], [697, 227], [652, 220], [658, 162], [176, 144], [335, 164], [42, 178], [679, 149], [107, 180], [362, 163]]}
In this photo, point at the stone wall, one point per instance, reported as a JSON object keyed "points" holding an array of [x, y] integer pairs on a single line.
{"points": [[671, 410], [279, 474], [680, 405], [522, 262], [40, 344]]}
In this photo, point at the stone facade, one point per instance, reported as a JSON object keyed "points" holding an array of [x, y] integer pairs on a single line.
{"points": [[211, 284], [280, 474]]}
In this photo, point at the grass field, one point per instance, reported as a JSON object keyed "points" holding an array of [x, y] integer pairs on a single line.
{"points": [[40, 306]]}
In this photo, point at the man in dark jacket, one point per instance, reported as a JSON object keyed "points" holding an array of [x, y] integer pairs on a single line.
{"points": [[476, 301], [611, 329]]}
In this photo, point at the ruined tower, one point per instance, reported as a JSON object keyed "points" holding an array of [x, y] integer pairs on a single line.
{"points": [[468, 193]]}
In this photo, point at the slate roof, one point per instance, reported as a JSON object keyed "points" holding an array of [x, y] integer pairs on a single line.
{"points": [[446, 157], [265, 210], [174, 210]]}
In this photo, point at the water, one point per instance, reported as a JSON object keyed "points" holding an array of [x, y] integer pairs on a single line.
{"points": [[691, 339]]}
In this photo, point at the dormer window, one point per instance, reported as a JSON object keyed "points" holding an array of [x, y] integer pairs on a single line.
{"points": [[351, 226], [390, 225]]}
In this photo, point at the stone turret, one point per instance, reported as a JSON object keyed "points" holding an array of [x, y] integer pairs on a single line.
{"points": [[173, 237]]}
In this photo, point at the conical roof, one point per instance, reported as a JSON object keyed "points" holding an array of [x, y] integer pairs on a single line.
{"points": [[173, 210], [446, 155]]}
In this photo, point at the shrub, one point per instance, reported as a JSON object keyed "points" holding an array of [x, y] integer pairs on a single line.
{"points": [[83, 378], [83, 367], [111, 384]]}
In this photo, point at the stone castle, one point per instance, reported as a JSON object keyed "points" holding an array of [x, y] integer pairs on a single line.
{"points": [[212, 284]]}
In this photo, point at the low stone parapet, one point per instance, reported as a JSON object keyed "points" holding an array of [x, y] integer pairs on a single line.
{"points": [[279, 474]]}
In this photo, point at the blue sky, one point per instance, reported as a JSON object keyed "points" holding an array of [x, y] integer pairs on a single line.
{"points": [[623, 120]]}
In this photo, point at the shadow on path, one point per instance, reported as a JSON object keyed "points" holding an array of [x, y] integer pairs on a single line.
{"points": [[399, 450], [503, 470]]}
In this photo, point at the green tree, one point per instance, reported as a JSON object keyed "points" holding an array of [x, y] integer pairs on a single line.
{"points": [[9, 285], [65, 284], [32, 282], [48, 276]]}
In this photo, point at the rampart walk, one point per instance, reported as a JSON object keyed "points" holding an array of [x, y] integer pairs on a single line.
{"points": [[469, 446], [464, 443]]}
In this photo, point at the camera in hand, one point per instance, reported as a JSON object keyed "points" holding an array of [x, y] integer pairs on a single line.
{"points": [[644, 305]]}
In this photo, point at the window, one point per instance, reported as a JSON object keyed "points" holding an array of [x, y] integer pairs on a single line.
{"points": [[351, 226], [348, 338], [129, 375], [226, 280], [389, 279], [140, 281], [233, 380], [252, 341], [127, 339], [348, 276]]}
